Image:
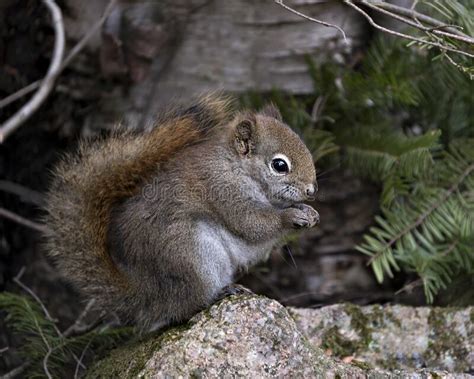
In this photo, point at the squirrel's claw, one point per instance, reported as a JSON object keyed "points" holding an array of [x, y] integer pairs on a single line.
{"points": [[233, 290], [303, 216]]}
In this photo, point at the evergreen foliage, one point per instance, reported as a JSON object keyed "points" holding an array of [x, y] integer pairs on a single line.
{"points": [[451, 12], [404, 103], [42, 345], [406, 121], [430, 230]]}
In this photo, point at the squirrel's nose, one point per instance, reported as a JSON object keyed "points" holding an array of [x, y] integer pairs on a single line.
{"points": [[311, 190]]}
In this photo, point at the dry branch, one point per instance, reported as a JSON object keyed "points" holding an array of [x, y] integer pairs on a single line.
{"points": [[439, 34], [72, 54], [22, 221], [396, 13], [81, 358], [25, 194], [402, 35], [17, 371], [414, 15], [280, 2], [17, 280], [77, 326], [48, 82]]}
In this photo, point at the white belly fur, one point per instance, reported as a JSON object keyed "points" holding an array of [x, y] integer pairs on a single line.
{"points": [[223, 253]]}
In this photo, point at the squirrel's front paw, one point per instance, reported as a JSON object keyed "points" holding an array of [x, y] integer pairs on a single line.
{"points": [[301, 216]]}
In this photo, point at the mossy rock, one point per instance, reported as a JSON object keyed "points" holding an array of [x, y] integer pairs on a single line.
{"points": [[393, 337], [252, 336]]}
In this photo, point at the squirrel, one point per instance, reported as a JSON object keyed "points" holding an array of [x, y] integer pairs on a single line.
{"points": [[154, 225]]}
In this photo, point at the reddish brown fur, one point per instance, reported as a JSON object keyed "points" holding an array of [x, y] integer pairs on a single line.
{"points": [[103, 174], [123, 180]]}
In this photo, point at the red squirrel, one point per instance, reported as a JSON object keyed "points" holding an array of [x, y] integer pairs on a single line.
{"points": [[154, 225]]}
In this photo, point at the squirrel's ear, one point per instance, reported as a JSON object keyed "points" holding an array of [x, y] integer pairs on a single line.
{"points": [[245, 137], [270, 110]]}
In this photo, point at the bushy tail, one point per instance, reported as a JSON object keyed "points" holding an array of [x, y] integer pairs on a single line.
{"points": [[87, 185]]}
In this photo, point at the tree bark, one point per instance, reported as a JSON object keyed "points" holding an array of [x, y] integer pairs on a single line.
{"points": [[174, 50]]}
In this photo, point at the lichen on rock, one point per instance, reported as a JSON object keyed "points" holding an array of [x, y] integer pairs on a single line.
{"points": [[395, 336], [252, 336]]}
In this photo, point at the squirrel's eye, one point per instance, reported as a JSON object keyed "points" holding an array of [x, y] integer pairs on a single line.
{"points": [[280, 166]]}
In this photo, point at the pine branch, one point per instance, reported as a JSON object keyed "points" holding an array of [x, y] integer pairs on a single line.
{"points": [[435, 205], [404, 121], [46, 352]]}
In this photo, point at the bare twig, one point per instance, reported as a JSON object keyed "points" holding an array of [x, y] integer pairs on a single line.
{"points": [[402, 35], [38, 327], [445, 26], [94, 324], [45, 362], [17, 280], [413, 14], [20, 369], [23, 221], [48, 82], [458, 66], [410, 286], [17, 371], [435, 30], [26, 194], [19, 94], [72, 54], [92, 31], [76, 327], [280, 2], [79, 362]]}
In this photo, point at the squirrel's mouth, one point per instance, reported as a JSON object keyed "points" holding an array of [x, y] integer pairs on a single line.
{"points": [[285, 203]]}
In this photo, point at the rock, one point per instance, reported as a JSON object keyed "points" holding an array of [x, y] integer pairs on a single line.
{"points": [[241, 336], [394, 336]]}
